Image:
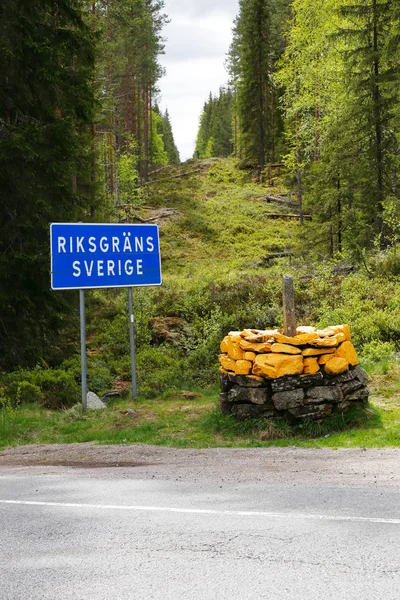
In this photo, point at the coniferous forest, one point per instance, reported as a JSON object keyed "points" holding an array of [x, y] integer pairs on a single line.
{"points": [[309, 119], [80, 130], [316, 86]]}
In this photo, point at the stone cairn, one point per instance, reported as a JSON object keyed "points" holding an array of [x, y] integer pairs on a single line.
{"points": [[312, 374]]}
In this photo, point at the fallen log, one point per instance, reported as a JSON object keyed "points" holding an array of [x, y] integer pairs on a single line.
{"points": [[277, 200], [286, 216], [276, 255]]}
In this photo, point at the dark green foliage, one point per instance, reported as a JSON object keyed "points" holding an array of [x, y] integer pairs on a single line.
{"points": [[169, 142], [46, 104], [257, 45], [215, 135]]}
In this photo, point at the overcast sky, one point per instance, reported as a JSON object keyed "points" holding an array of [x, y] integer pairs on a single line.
{"points": [[198, 39]]}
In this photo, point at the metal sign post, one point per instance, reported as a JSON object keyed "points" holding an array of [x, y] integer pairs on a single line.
{"points": [[132, 342], [83, 347], [104, 255]]}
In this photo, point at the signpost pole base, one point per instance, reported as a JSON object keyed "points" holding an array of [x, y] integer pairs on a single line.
{"points": [[132, 342], [83, 348]]}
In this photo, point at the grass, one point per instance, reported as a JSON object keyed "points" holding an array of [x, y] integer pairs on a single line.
{"points": [[174, 421]]}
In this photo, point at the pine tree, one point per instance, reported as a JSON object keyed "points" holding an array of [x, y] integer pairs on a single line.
{"points": [[46, 107], [169, 142]]}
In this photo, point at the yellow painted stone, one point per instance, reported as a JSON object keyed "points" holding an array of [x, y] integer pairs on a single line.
{"points": [[234, 349], [273, 366], [329, 341], [246, 332], [336, 365], [227, 362], [348, 352], [341, 329], [298, 340], [285, 349], [224, 345], [305, 329], [323, 359], [249, 356], [317, 351], [243, 367], [324, 332], [223, 371], [259, 348], [235, 333], [254, 338], [311, 366]]}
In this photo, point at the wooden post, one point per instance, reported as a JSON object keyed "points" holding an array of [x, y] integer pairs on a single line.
{"points": [[289, 316]]}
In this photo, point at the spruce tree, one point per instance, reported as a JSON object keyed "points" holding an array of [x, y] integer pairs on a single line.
{"points": [[46, 107]]}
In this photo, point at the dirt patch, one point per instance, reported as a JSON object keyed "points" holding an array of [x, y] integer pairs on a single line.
{"points": [[353, 466]]}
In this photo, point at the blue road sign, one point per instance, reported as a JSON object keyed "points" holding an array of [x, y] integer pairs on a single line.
{"points": [[98, 255]]}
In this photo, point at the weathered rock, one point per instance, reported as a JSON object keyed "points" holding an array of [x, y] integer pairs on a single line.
{"points": [[360, 374], [342, 378], [330, 341], [324, 394], [260, 348], [309, 380], [289, 399], [336, 365], [172, 330], [249, 356], [306, 329], [242, 412], [285, 349], [350, 386], [285, 384], [341, 329], [318, 351], [360, 395], [248, 381], [93, 402], [234, 350], [243, 367], [311, 366], [311, 411], [273, 366], [252, 395], [227, 362], [224, 345], [298, 340], [224, 403], [224, 380], [323, 359], [348, 352]]}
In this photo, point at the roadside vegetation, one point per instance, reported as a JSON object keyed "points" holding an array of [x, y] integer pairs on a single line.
{"points": [[218, 275]]}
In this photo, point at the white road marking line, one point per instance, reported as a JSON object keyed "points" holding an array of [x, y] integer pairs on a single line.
{"points": [[201, 511]]}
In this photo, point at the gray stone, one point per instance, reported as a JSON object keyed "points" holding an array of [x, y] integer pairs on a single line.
{"points": [[285, 384], [288, 399], [249, 381], [309, 380], [324, 394], [351, 386], [225, 382], [224, 403], [312, 411], [93, 402], [342, 378], [252, 395], [360, 395], [242, 412], [360, 374]]}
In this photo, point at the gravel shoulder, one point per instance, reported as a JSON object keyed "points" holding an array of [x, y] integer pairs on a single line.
{"points": [[353, 466]]}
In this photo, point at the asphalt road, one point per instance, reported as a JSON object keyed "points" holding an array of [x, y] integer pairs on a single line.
{"points": [[195, 533]]}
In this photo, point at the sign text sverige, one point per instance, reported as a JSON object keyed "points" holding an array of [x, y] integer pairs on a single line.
{"points": [[87, 255]]}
